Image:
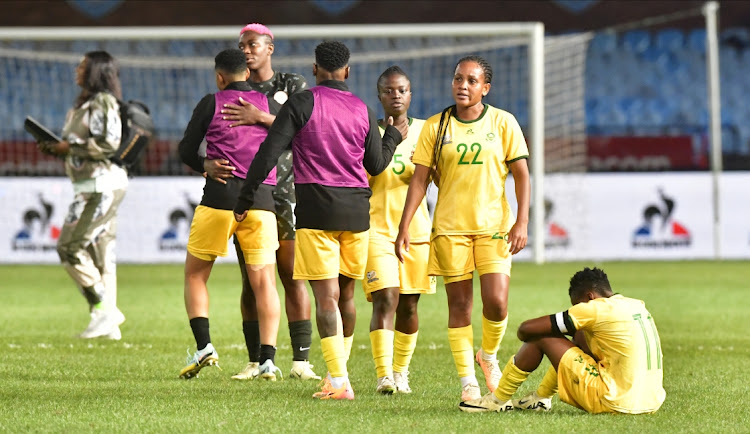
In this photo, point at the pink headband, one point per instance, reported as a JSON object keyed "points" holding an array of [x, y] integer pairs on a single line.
{"points": [[257, 28]]}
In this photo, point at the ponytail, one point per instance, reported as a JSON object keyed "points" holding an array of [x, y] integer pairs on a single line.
{"points": [[445, 118]]}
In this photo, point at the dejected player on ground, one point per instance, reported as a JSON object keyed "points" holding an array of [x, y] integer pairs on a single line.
{"points": [[613, 364]]}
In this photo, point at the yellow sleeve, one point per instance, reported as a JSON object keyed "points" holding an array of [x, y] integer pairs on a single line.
{"points": [[515, 143], [583, 315], [426, 142]]}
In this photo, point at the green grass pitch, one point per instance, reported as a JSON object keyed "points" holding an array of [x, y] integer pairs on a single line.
{"points": [[53, 382]]}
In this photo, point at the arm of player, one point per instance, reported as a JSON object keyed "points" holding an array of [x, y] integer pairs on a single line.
{"points": [[246, 114], [414, 195], [378, 152], [195, 132], [519, 232], [291, 118], [556, 325]]}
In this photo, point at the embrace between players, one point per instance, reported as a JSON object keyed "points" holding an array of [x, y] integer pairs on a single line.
{"points": [[359, 185]]}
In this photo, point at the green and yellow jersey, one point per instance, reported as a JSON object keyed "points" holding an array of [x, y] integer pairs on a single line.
{"points": [[622, 336], [473, 165], [389, 193]]}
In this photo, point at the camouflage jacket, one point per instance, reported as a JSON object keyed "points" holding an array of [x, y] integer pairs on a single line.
{"points": [[93, 131]]}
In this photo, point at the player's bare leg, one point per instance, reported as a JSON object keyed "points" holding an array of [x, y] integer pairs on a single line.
{"points": [[330, 328], [460, 335], [297, 304], [494, 290], [348, 311], [196, 298], [384, 303], [263, 282]]}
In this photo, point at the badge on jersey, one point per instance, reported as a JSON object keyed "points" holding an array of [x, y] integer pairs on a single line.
{"points": [[280, 97]]}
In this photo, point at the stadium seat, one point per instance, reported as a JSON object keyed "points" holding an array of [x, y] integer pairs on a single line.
{"points": [[669, 39], [603, 42], [696, 40], [636, 41]]}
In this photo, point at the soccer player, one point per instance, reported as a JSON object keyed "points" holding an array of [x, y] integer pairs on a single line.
{"points": [[213, 222], [613, 365], [335, 143], [394, 288], [256, 41], [468, 149]]}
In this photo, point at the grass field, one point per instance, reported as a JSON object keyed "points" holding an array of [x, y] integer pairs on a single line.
{"points": [[51, 381]]}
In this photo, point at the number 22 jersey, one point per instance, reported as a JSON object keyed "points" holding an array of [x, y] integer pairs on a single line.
{"points": [[473, 166]]}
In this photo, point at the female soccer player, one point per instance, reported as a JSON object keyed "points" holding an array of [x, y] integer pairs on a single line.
{"points": [[469, 149], [91, 136], [394, 288]]}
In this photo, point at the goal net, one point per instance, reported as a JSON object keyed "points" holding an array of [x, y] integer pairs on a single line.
{"points": [[171, 69]]}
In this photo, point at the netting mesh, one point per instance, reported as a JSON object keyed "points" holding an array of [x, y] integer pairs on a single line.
{"points": [[171, 76]]}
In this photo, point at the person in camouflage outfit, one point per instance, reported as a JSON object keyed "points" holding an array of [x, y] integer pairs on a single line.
{"points": [[86, 246]]}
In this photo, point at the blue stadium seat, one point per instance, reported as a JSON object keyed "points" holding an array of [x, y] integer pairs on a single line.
{"points": [[669, 39], [603, 42], [696, 40], [636, 41], [282, 47], [739, 36]]}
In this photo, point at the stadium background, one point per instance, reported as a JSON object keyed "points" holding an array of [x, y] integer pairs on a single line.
{"points": [[645, 109]]}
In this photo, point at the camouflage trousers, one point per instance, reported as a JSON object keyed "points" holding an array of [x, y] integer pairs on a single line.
{"points": [[87, 245]]}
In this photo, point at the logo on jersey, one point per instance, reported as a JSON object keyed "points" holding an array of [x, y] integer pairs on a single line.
{"points": [[659, 229], [447, 140], [280, 97], [491, 137], [470, 131], [372, 277], [37, 232], [178, 230]]}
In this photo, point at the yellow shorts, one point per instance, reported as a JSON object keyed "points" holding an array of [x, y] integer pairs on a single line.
{"points": [[456, 256], [320, 255], [579, 383], [384, 270], [211, 229]]}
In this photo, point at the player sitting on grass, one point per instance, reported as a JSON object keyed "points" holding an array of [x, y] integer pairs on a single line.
{"points": [[213, 222], [613, 365]]}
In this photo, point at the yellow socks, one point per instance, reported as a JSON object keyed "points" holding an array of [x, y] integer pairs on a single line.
{"points": [[403, 350], [511, 381], [334, 354], [461, 340], [348, 341], [492, 334], [381, 341], [548, 386]]}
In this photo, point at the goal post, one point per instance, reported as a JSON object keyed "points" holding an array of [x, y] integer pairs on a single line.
{"points": [[538, 78]]}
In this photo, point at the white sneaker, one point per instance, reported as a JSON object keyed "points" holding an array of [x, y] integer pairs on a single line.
{"points": [[533, 402], [401, 380], [302, 370], [269, 371], [250, 372], [471, 392], [385, 386], [103, 322], [115, 334], [484, 404]]}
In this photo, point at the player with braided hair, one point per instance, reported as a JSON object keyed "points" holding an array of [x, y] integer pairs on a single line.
{"points": [[335, 144], [470, 147]]}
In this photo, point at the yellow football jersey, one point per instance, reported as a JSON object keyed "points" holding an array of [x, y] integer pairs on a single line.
{"points": [[389, 193], [622, 335], [473, 165]]}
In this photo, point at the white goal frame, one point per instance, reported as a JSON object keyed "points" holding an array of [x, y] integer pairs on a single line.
{"points": [[531, 32]]}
